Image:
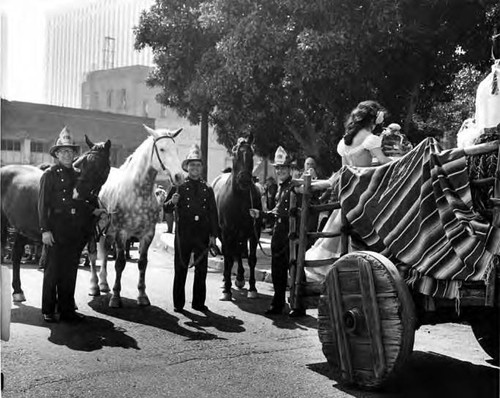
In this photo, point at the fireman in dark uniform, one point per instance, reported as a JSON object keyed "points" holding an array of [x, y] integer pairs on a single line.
{"points": [[64, 227], [196, 229], [279, 241]]}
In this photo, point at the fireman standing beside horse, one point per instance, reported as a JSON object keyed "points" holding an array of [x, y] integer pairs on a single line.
{"points": [[66, 225], [196, 228]]}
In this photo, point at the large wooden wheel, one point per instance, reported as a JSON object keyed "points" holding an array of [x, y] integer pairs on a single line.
{"points": [[366, 319]]}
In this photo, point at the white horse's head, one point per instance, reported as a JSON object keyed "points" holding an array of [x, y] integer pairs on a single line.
{"points": [[165, 156]]}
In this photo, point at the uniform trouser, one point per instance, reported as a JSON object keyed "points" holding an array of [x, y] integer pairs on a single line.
{"points": [[59, 278], [182, 256], [279, 262]]}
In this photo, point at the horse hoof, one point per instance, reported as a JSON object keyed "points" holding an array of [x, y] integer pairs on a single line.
{"points": [[226, 297], [115, 302], [104, 287], [143, 301], [252, 294], [18, 297], [94, 291], [239, 284]]}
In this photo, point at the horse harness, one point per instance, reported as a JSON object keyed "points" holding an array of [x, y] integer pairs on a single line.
{"points": [[155, 149]]}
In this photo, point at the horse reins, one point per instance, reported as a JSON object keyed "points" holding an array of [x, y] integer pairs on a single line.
{"points": [[255, 231]]}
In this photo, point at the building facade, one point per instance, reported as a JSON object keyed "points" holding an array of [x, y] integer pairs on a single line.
{"points": [[90, 36], [29, 130], [124, 91]]}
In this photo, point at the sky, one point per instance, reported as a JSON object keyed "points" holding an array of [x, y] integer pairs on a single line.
{"points": [[23, 48]]}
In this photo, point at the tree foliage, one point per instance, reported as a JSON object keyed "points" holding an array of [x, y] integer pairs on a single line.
{"points": [[290, 71]]}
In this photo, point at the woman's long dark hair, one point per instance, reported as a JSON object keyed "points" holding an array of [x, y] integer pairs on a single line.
{"points": [[363, 116]]}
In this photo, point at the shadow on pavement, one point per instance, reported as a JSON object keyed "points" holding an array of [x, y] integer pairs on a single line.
{"points": [[430, 375], [228, 324], [260, 305], [89, 335], [150, 316]]}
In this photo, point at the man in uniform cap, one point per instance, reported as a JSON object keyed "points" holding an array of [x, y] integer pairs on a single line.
{"points": [[279, 241], [196, 229], [60, 219]]}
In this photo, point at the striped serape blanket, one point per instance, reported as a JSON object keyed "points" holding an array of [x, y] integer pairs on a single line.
{"points": [[417, 211]]}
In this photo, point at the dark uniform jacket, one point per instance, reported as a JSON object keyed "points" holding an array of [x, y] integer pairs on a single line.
{"points": [[281, 211], [58, 212], [196, 211]]}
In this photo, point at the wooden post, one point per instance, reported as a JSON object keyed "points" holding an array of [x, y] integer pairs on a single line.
{"points": [[304, 214], [292, 223]]}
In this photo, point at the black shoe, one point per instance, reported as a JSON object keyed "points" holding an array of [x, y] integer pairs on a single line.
{"points": [[272, 310], [72, 317], [201, 308], [49, 318], [297, 313], [176, 309]]}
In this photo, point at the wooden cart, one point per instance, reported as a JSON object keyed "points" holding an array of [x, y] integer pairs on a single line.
{"points": [[367, 314]]}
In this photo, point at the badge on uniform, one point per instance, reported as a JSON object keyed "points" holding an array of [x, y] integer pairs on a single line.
{"points": [[196, 218], [73, 211]]}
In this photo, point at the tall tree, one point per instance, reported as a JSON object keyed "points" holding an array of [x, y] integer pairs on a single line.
{"points": [[289, 71]]}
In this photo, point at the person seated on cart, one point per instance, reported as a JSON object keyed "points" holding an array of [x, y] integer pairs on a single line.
{"points": [[394, 143], [359, 147]]}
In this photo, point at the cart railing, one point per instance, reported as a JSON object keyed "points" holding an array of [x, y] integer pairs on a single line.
{"points": [[305, 294]]}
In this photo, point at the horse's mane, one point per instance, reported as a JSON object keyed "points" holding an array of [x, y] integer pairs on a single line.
{"points": [[132, 173], [136, 166]]}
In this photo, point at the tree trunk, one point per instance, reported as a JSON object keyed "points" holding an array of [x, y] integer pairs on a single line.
{"points": [[307, 139], [412, 104], [204, 143]]}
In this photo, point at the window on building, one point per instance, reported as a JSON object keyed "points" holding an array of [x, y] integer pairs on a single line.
{"points": [[95, 100], [123, 98], [145, 108], [11, 145], [86, 101], [39, 147], [163, 111], [109, 98]]}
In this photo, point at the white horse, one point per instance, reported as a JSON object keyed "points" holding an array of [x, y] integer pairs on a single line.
{"points": [[129, 198]]}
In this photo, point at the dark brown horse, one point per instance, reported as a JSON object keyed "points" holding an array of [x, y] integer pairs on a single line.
{"points": [[20, 186], [235, 194]]}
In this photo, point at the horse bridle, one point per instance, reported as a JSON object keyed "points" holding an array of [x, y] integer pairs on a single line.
{"points": [[101, 173], [235, 150], [155, 148]]}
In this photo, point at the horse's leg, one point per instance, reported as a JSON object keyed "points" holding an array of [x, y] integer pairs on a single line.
{"points": [[94, 280], [17, 253], [228, 265], [103, 271], [252, 262], [142, 298], [116, 301], [240, 273]]}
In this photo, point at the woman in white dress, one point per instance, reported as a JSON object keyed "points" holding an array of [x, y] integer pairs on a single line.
{"points": [[361, 148]]}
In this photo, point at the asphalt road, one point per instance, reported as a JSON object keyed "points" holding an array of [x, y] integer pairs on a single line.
{"points": [[232, 351]]}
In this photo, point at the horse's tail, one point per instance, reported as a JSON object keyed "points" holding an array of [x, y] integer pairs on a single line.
{"points": [[4, 230]]}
